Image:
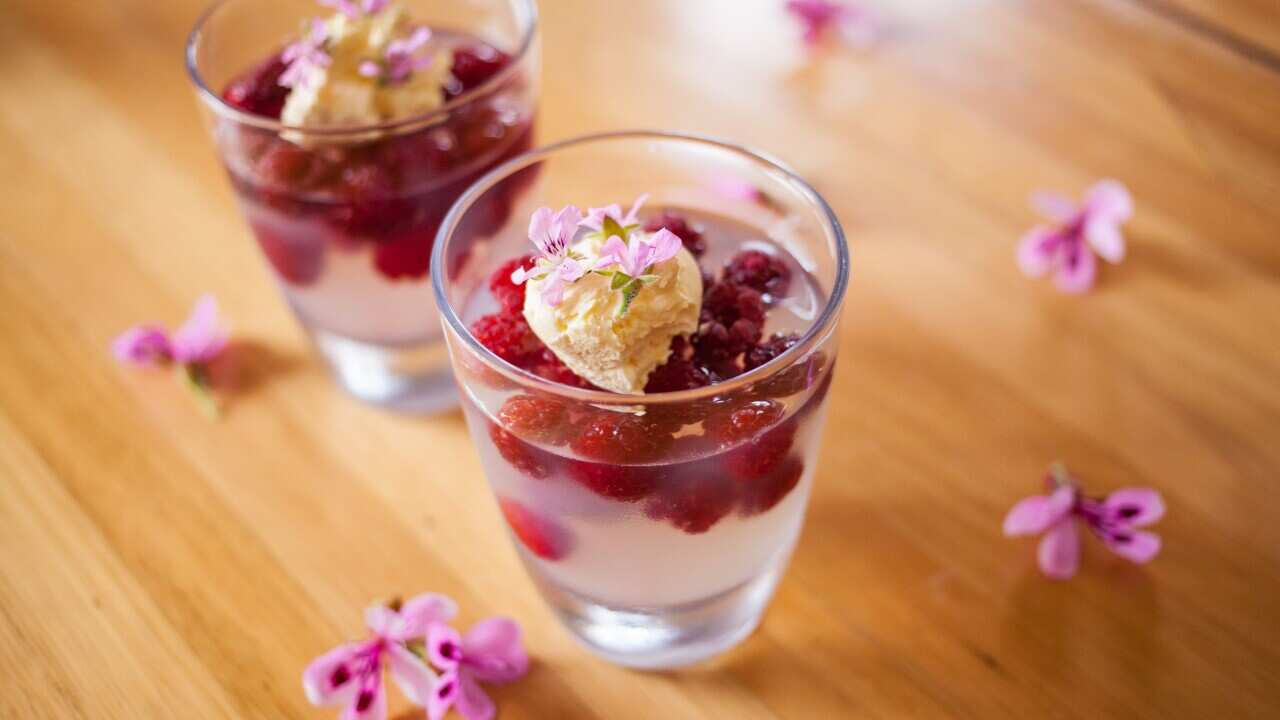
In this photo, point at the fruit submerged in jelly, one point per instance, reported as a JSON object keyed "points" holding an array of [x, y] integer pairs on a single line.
{"points": [[689, 465], [389, 193]]}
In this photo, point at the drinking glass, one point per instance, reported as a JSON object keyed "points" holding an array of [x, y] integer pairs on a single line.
{"points": [[346, 216], [661, 559]]}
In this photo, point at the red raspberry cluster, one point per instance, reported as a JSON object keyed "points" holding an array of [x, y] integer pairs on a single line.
{"points": [[386, 192]]}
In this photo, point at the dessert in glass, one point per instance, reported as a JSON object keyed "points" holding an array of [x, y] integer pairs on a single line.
{"points": [[644, 359], [348, 128]]}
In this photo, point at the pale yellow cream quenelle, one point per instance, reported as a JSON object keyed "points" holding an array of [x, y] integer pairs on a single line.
{"points": [[612, 350]]}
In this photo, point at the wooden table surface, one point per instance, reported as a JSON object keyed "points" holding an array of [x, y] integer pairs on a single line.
{"points": [[156, 564]]}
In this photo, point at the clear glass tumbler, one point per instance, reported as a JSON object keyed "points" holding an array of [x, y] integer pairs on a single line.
{"points": [[347, 216], [670, 552]]}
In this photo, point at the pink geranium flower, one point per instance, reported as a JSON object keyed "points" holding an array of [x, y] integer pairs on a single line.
{"points": [[351, 675], [401, 59], [1067, 248], [307, 57], [552, 234], [491, 652], [855, 25], [1115, 519], [596, 217], [198, 340], [637, 256]]}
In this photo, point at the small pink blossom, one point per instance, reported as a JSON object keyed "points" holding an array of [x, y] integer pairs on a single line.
{"points": [[355, 10], [638, 255], [190, 348], [1068, 247], [307, 57], [351, 675], [198, 340], [401, 59], [596, 216], [491, 652], [854, 25], [552, 233], [1114, 519]]}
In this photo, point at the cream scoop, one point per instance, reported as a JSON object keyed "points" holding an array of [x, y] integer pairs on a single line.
{"points": [[589, 332], [338, 92]]}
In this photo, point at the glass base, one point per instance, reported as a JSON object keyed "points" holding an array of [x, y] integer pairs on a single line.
{"points": [[412, 379], [666, 637]]}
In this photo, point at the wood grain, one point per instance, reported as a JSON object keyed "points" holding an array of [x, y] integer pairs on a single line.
{"points": [[155, 564]]}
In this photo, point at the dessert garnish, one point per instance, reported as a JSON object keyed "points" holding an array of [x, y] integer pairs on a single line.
{"points": [[365, 65], [609, 305], [1067, 247]]}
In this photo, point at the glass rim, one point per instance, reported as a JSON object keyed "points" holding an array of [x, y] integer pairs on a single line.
{"points": [[215, 102], [524, 378]]}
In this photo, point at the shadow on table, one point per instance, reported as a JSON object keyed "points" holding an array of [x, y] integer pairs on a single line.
{"points": [[245, 366]]}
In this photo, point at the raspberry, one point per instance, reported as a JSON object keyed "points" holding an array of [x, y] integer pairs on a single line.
{"points": [[760, 496], [405, 256], [617, 437], [298, 260], [759, 457], [285, 165], [535, 417], [369, 204], [732, 316], [678, 226], [676, 374], [523, 457], [259, 91], [625, 483], [693, 499], [769, 349], [760, 271], [726, 302], [744, 422], [542, 536], [507, 293], [472, 66], [508, 336]]}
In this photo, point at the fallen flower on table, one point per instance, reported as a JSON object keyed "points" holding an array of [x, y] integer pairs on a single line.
{"points": [[490, 652], [1068, 247], [407, 639], [190, 348], [854, 25], [1114, 519]]}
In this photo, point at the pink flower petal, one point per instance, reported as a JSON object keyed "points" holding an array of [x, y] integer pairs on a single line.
{"points": [[369, 704], [472, 701], [420, 611], [445, 695], [493, 651], [1135, 507], [1037, 513], [444, 646], [415, 679], [1059, 551], [142, 345], [1138, 546], [199, 339], [330, 679], [381, 620], [1038, 250], [1109, 199], [1054, 206], [1077, 270], [665, 245], [1103, 235]]}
